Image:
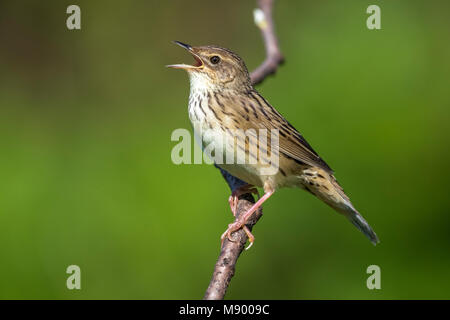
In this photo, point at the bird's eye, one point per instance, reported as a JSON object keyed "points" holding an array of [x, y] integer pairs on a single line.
{"points": [[214, 59]]}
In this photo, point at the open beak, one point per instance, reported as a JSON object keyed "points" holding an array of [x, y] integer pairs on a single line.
{"points": [[198, 61]]}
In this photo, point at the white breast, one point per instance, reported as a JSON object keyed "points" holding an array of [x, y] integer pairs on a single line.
{"points": [[205, 124]]}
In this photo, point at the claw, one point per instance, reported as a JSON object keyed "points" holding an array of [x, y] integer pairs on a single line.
{"points": [[232, 227], [251, 237], [233, 204], [222, 238], [235, 227], [234, 198], [226, 234], [240, 223]]}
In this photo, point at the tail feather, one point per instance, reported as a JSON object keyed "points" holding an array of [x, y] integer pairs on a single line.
{"points": [[325, 187], [353, 215], [362, 225]]}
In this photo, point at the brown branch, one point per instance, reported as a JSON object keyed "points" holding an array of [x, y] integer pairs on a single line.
{"points": [[231, 250], [274, 58]]}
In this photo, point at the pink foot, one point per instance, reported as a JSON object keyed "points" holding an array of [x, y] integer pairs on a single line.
{"points": [[234, 198], [240, 223]]}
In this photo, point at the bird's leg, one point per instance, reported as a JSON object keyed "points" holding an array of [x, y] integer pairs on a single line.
{"points": [[233, 201], [234, 198], [242, 220]]}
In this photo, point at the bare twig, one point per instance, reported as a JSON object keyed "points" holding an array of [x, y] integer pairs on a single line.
{"points": [[231, 250], [264, 20]]}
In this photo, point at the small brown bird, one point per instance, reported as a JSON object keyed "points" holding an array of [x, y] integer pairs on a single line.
{"points": [[223, 103]]}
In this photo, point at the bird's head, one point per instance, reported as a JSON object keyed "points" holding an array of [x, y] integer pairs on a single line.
{"points": [[215, 68]]}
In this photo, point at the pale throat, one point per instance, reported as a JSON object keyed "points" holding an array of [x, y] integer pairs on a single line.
{"points": [[200, 82], [200, 85]]}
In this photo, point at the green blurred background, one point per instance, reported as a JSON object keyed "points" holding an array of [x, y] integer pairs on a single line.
{"points": [[85, 170]]}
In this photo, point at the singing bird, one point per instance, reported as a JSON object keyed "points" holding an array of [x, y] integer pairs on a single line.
{"points": [[222, 100]]}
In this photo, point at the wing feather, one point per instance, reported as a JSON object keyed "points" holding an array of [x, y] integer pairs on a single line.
{"points": [[258, 112]]}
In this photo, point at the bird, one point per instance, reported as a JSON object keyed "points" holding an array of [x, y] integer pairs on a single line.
{"points": [[223, 105]]}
